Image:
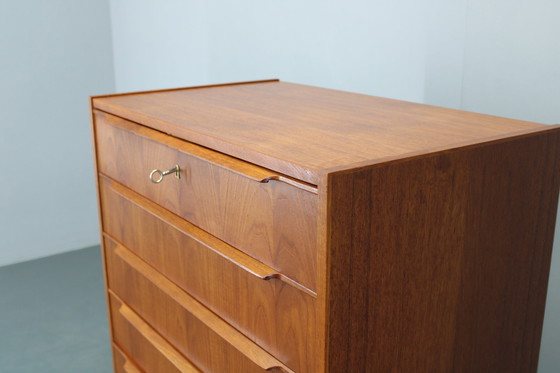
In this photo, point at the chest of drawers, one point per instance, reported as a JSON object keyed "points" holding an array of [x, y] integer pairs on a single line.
{"points": [[270, 226]]}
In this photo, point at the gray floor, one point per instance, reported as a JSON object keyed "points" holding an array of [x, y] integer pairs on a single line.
{"points": [[53, 316]]}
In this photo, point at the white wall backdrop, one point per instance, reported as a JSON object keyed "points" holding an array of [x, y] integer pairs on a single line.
{"points": [[499, 57], [53, 55], [512, 59], [361, 46]]}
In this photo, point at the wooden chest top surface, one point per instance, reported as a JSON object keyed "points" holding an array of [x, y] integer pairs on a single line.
{"points": [[305, 131]]}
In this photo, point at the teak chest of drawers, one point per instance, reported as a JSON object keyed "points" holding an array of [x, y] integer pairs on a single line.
{"points": [[297, 229]]}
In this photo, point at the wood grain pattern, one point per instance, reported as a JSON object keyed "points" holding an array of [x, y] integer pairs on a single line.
{"points": [[300, 130], [273, 222], [438, 263], [205, 339], [267, 308], [138, 340]]}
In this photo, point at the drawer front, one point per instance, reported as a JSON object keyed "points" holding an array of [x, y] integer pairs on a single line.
{"points": [[146, 348], [240, 203], [202, 337], [122, 363], [274, 313]]}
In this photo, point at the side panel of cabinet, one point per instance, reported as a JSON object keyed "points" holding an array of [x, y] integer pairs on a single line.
{"points": [[439, 263]]}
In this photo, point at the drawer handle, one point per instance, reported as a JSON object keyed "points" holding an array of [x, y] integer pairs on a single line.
{"points": [[156, 176], [129, 368], [152, 337]]}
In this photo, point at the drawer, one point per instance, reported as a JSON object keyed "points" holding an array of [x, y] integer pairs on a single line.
{"points": [[202, 337], [135, 338], [269, 216], [146, 347], [122, 364], [267, 307]]}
